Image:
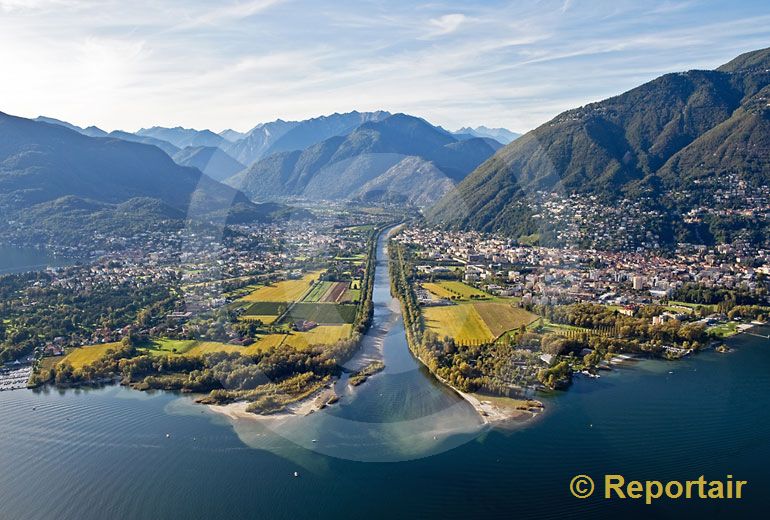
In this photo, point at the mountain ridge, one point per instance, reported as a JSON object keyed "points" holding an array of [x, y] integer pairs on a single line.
{"points": [[339, 167], [628, 145]]}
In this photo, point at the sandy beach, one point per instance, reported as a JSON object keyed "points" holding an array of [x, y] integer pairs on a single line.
{"points": [[301, 408]]}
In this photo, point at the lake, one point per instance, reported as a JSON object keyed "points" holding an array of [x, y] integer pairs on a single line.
{"points": [[400, 446], [19, 260]]}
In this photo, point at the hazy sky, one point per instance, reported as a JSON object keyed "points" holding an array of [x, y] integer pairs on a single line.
{"points": [[217, 64]]}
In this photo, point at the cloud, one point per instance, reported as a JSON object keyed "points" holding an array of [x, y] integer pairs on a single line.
{"points": [[445, 24], [231, 12], [203, 64]]}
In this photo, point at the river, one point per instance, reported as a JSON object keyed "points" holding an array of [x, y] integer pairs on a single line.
{"points": [[399, 446]]}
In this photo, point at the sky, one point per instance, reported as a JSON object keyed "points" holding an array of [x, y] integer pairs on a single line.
{"points": [[122, 64]]}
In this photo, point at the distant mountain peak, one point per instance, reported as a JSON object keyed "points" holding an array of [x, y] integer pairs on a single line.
{"points": [[91, 131], [501, 135]]}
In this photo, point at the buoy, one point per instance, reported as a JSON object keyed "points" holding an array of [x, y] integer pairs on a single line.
{"points": [[168, 435]]}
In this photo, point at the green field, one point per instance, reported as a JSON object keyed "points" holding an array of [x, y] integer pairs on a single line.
{"points": [[724, 330], [454, 290], [322, 313], [265, 308], [352, 295], [317, 292], [166, 347]]}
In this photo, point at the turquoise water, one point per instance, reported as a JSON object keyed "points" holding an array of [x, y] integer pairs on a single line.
{"points": [[104, 453], [18, 260]]}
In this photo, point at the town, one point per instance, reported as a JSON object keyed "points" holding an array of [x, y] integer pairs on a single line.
{"points": [[248, 288], [550, 276]]}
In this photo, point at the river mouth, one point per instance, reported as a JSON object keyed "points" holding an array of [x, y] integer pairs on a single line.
{"points": [[401, 413]]}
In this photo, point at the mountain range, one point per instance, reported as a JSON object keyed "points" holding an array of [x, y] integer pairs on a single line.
{"points": [[398, 158], [676, 142], [51, 175], [283, 136]]}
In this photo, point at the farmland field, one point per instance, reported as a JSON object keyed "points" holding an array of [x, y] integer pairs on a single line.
{"points": [[500, 317], [265, 308], [267, 319], [449, 289], [322, 313], [171, 347], [83, 356], [335, 292], [460, 322], [480, 321], [285, 291], [351, 295], [318, 292], [321, 335], [263, 343]]}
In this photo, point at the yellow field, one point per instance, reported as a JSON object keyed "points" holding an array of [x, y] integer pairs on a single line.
{"points": [[266, 319], [480, 321], [321, 335], [460, 322], [207, 347], [189, 347], [454, 289], [502, 317], [83, 356], [285, 291], [264, 343]]}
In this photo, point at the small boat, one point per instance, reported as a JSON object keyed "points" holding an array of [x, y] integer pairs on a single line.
{"points": [[314, 440], [168, 435], [296, 474]]}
